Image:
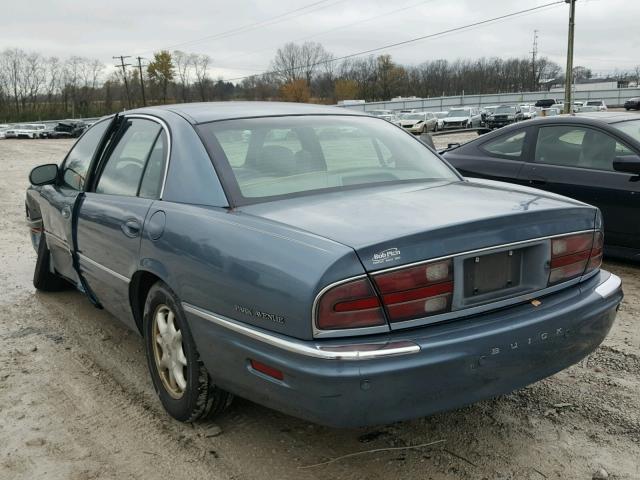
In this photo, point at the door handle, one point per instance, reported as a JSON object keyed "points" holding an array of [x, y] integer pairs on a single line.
{"points": [[65, 212], [131, 228]]}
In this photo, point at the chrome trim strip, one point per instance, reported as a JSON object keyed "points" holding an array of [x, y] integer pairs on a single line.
{"points": [[165, 127], [609, 286], [479, 250], [61, 241], [103, 268], [340, 352], [347, 332]]}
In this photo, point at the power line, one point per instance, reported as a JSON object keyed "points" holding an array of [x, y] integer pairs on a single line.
{"points": [[340, 27], [412, 40], [254, 25]]}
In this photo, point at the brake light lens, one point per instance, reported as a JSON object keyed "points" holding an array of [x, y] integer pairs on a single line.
{"points": [[417, 292], [575, 255], [350, 305]]}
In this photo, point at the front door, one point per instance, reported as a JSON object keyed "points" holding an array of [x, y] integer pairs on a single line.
{"points": [[57, 210], [112, 213]]}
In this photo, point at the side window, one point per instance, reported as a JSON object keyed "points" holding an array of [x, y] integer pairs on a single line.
{"points": [[124, 168], [507, 146], [75, 167], [578, 147], [154, 171]]}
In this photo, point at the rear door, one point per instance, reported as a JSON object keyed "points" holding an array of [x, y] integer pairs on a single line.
{"points": [[60, 198], [577, 161], [111, 215]]}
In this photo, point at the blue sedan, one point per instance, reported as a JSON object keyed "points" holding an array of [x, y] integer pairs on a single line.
{"points": [[320, 262]]}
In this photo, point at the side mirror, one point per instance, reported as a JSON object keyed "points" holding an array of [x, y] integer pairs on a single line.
{"points": [[44, 174], [627, 164], [427, 139]]}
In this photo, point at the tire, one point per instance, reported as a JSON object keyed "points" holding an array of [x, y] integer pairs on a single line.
{"points": [[197, 397], [43, 278]]}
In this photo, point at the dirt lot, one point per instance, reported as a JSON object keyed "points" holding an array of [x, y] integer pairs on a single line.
{"points": [[76, 401]]}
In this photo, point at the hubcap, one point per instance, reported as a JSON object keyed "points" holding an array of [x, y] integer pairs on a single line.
{"points": [[171, 362]]}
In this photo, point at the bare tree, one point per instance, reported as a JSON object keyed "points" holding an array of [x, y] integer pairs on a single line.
{"points": [[200, 67]]}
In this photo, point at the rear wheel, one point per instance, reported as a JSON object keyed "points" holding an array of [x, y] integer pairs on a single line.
{"points": [[178, 374], [43, 278]]}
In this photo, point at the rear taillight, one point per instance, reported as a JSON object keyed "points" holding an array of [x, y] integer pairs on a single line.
{"points": [[575, 255], [417, 292], [350, 305]]}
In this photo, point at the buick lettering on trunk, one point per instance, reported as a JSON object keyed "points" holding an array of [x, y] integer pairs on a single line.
{"points": [[244, 243]]}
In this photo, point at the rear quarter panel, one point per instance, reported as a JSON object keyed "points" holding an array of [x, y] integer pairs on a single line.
{"points": [[246, 268]]}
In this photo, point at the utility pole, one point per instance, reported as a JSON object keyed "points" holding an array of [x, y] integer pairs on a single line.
{"points": [[144, 99], [534, 54], [568, 97], [124, 75]]}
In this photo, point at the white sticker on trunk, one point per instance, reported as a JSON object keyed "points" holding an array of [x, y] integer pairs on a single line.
{"points": [[388, 255]]}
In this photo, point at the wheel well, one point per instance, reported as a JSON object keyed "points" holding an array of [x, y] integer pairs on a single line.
{"points": [[139, 287]]}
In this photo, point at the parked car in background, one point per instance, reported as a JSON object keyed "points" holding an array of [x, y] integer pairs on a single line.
{"points": [[546, 103], [593, 106], [25, 130], [504, 115], [632, 104], [485, 112], [419, 122], [316, 274], [3, 128], [457, 118], [68, 129], [592, 157], [440, 116], [528, 112]]}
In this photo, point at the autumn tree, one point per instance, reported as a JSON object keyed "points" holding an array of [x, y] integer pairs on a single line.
{"points": [[295, 91], [161, 71]]}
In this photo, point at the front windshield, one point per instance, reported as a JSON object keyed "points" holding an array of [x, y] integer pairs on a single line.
{"points": [[594, 104], [274, 156], [378, 113], [505, 109], [413, 116], [459, 113], [441, 114], [631, 128]]}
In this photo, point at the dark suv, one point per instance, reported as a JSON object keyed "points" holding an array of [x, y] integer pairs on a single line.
{"points": [[504, 115]]}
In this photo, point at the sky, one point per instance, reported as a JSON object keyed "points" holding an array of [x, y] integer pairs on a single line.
{"points": [[242, 36]]}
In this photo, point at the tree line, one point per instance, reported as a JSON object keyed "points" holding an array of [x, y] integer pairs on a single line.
{"points": [[36, 87]]}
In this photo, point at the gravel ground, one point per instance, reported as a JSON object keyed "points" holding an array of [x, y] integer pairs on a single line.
{"points": [[76, 401]]}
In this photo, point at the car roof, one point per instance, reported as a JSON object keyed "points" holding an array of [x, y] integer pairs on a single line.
{"points": [[216, 111]]}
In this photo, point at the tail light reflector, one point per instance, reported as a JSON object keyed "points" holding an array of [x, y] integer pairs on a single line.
{"points": [[267, 369], [350, 305], [417, 292], [575, 255]]}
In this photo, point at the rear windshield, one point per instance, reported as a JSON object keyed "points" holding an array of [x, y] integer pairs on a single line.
{"points": [[631, 128], [262, 158], [594, 103], [505, 109]]}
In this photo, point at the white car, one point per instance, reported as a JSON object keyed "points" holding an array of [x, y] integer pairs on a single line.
{"points": [[3, 128], [25, 130], [528, 111], [440, 116], [594, 106], [419, 122], [466, 117]]}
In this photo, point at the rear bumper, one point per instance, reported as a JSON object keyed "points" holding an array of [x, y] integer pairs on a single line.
{"points": [[455, 364]]}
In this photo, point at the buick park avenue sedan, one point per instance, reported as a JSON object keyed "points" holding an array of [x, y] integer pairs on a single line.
{"points": [[318, 261]]}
